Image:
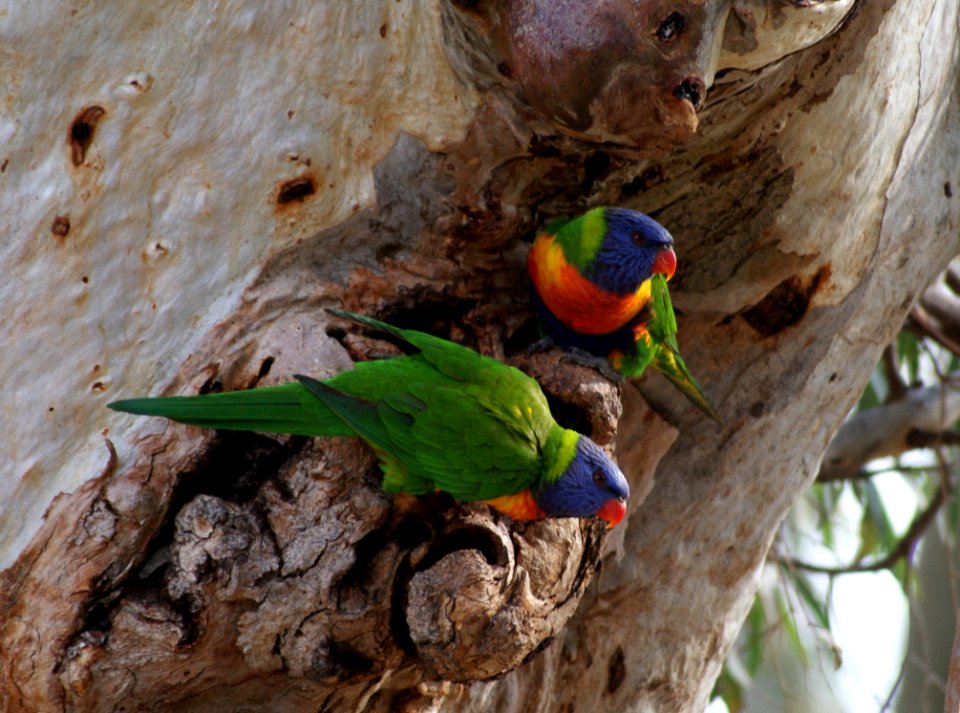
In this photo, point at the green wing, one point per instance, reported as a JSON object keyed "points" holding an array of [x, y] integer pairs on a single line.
{"points": [[471, 425], [666, 359], [663, 323], [437, 433], [443, 418]]}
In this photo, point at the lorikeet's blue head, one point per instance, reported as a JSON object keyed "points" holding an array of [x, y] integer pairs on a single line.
{"points": [[592, 485], [634, 247]]}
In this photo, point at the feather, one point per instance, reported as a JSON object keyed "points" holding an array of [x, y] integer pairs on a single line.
{"points": [[287, 408], [440, 418]]}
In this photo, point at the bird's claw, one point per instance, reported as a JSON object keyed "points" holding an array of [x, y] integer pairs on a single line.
{"points": [[598, 363], [541, 345]]}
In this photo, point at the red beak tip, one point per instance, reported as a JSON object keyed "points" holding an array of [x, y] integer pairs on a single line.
{"points": [[612, 511], [665, 263]]}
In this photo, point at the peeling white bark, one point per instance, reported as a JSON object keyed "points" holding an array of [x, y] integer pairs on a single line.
{"points": [[208, 111]]}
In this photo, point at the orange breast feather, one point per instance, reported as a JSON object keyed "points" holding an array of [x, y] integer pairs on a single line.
{"points": [[519, 506], [574, 300]]}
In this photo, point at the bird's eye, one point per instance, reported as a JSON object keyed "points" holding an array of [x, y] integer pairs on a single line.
{"points": [[639, 238], [671, 27], [599, 478]]}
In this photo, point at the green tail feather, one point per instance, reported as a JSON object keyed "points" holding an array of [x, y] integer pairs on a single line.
{"points": [[672, 366], [370, 322], [667, 360], [288, 408]]}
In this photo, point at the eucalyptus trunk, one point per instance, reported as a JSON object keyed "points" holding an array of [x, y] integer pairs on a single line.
{"points": [[185, 188]]}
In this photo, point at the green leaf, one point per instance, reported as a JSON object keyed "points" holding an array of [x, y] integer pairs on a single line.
{"points": [[789, 624], [878, 513], [953, 364], [901, 572], [869, 540], [756, 626], [908, 353], [953, 518], [869, 398], [825, 497], [809, 597], [729, 690]]}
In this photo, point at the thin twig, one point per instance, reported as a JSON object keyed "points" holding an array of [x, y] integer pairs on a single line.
{"points": [[866, 474], [927, 439], [897, 387], [904, 548], [921, 320]]}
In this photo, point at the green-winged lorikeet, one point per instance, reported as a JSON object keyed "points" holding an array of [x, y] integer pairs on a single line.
{"points": [[442, 418], [592, 289]]}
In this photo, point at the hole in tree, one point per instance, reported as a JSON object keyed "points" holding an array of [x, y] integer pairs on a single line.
{"points": [[465, 538]]}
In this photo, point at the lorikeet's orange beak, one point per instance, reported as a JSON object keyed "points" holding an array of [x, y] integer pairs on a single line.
{"points": [[612, 511], [665, 263]]}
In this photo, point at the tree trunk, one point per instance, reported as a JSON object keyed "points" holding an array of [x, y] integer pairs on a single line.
{"points": [[186, 190]]}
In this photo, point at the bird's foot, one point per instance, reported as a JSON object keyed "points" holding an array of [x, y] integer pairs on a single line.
{"points": [[541, 345], [600, 364]]}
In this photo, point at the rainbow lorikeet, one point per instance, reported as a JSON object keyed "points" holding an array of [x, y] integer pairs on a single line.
{"points": [[442, 418], [593, 293]]}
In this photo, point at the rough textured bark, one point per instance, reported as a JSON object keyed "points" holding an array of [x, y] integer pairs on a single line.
{"points": [[393, 160]]}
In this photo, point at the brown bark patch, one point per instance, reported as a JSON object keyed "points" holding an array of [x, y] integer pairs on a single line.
{"points": [[81, 132], [61, 226], [296, 190], [785, 304]]}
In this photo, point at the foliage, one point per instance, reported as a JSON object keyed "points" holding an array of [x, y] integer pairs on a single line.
{"points": [[858, 523]]}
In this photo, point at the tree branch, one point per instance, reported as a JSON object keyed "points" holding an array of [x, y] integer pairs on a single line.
{"points": [[921, 320], [903, 548], [952, 699], [891, 429], [898, 387]]}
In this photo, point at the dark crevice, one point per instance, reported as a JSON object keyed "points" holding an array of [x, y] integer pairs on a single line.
{"points": [[210, 386], [370, 576], [639, 184], [433, 313], [595, 167], [82, 131], [265, 367], [387, 251], [366, 551], [541, 647], [465, 538], [438, 314], [97, 617], [693, 90], [526, 335], [296, 190], [412, 531], [190, 625], [398, 607], [233, 468], [616, 670], [570, 415], [786, 304], [337, 660]]}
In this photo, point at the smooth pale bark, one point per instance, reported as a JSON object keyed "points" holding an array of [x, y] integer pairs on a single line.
{"points": [[886, 429], [253, 164]]}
